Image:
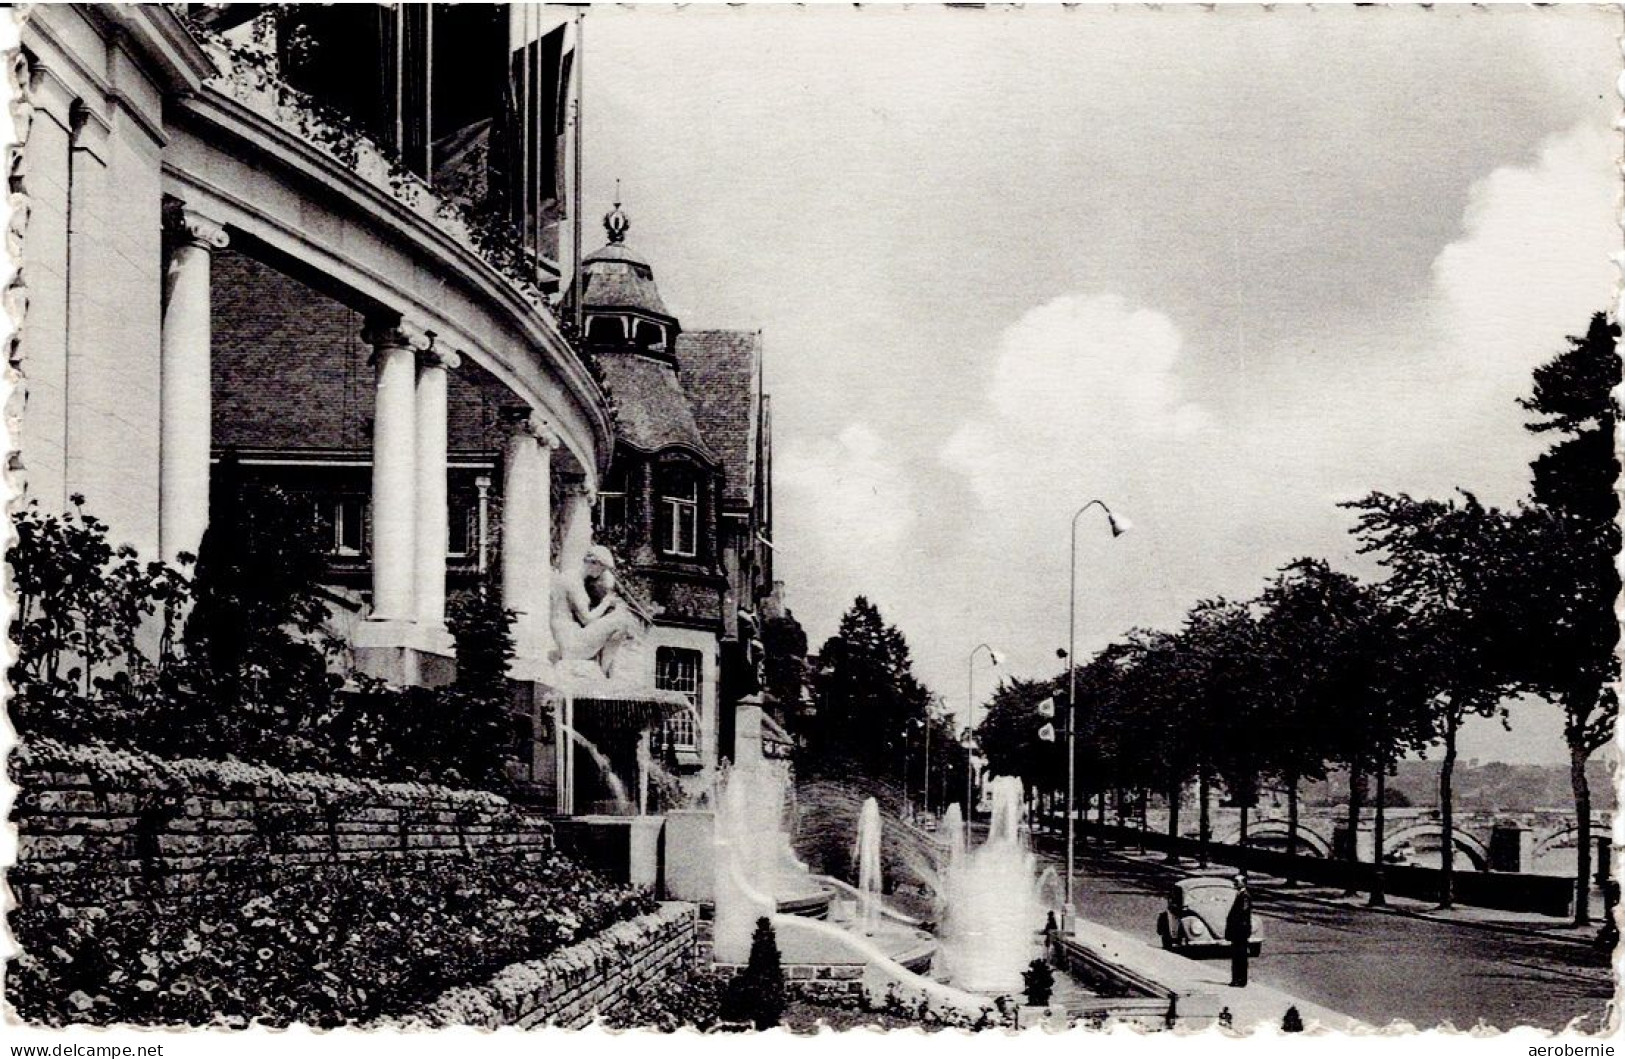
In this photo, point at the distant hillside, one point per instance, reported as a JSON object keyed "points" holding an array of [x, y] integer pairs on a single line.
{"points": [[1491, 788]]}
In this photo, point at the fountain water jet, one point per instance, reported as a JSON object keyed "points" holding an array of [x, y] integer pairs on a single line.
{"points": [[994, 912], [823, 816], [953, 826], [617, 788], [869, 880]]}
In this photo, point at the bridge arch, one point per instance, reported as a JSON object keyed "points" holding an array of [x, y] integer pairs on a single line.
{"points": [[1465, 843], [1274, 834], [1565, 837]]}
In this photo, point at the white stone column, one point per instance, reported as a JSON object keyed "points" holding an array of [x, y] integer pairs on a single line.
{"points": [[527, 531], [519, 532], [575, 521], [184, 395], [394, 469], [432, 517], [547, 440]]}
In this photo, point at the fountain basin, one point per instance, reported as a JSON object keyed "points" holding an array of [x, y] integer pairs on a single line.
{"points": [[672, 855], [812, 947]]}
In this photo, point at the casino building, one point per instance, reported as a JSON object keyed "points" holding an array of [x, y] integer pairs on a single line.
{"points": [[251, 260]]}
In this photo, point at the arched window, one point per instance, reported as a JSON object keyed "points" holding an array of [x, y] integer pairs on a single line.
{"points": [[679, 530]]}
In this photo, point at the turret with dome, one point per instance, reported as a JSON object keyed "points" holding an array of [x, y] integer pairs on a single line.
{"points": [[621, 304]]}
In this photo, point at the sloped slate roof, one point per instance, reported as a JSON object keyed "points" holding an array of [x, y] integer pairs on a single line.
{"points": [[618, 277], [651, 410], [719, 371]]}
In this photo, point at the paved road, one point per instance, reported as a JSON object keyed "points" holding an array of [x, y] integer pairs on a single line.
{"points": [[1380, 967]]}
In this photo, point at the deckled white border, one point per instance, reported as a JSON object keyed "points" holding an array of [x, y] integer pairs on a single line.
{"points": [[266, 1044]]}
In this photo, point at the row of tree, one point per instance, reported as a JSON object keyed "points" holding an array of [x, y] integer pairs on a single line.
{"points": [[1324, 671]]}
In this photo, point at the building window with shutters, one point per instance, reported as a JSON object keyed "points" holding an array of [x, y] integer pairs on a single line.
{"points": [[679, 512], [678, 669]]}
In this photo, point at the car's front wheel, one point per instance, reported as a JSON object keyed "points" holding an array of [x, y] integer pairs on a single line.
{"points": [[1255, 948]]}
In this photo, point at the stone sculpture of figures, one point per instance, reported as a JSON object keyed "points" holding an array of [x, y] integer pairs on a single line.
{"points": [[591, 620]]}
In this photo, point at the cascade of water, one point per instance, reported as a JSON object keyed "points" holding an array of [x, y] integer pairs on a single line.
{"points": [[754, 863], [993, 909], [623, 801], [869, 863]]}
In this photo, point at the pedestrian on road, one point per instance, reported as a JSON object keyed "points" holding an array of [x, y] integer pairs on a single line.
{"points": [[1238, 931]]}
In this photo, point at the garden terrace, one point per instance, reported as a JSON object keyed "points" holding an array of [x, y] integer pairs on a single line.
{"points": [[188, 892]]}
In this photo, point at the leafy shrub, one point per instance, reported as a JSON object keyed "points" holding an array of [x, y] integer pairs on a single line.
{"points": [[474, 710], [345, 942], [253, 674], [81, 603], [127, 767], [756, 994]]}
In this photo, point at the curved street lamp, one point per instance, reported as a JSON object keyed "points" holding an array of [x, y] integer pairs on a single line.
{"points": [[970, 719], [1119, 526]]}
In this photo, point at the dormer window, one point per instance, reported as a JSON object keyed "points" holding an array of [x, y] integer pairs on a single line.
{"points": [[651, 336], [606, 329]]}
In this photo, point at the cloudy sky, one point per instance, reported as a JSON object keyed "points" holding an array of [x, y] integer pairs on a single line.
{"points": [[1221, 269]]}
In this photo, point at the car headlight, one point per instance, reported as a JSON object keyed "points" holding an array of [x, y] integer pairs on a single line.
{"points": [[1197, 927]]}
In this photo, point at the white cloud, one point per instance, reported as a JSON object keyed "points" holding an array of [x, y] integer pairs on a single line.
{"points": [[1090, 396], [1078, 381], [1533, 262], [846, 524], [860, 494]]}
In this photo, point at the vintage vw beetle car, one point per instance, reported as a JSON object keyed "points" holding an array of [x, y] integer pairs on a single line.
{"points": [[1196, 913]]}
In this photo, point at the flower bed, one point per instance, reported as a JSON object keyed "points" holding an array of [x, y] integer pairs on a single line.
{"points": [[346, 942], [97, 763]]}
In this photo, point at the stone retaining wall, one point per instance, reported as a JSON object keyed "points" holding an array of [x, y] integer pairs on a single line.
{"points": [[574, 985], [88, 835], [824, 983]]}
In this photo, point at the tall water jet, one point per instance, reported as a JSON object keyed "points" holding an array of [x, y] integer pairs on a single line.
{"points": [[953, 826], [994, 914], [755, 870], [824, 812], [869, 881]]}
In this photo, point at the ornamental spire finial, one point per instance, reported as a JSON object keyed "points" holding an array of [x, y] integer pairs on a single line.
{"points": [[616, 222]]}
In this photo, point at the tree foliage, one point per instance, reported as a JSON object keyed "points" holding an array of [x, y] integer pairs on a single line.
{"points": [[1567, 581], [868, 700]]}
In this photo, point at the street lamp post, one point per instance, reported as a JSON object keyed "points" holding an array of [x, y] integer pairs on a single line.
{"points": [[1118, 528], [970, 721]]}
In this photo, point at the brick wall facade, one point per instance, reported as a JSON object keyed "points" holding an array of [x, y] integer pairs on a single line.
{"points": [[86, 838], [273, 338], [574, 985]]}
